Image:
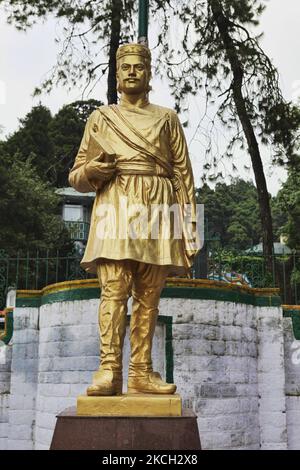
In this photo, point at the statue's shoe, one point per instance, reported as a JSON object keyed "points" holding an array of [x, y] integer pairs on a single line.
{"points": [[150, 383], [105, 383]]}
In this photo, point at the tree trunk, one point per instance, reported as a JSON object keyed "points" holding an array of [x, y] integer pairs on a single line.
{"points": [[237, 83], [116, 13]]}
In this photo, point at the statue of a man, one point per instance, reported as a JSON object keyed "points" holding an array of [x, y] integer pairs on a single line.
{"points": [[151, 168]]}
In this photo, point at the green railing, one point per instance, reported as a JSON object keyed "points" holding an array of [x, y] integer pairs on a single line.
{"points": [[37, 270], [250, 269], [33, 271]]}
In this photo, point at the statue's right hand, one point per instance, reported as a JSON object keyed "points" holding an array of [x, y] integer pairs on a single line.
{"points": [[102, 171]]}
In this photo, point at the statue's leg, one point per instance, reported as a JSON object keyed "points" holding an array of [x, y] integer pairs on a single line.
{"points": [[148, 282], [115, 280]]}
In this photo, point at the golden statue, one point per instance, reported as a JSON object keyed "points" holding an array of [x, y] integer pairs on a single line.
{"points": [[134, 151]]}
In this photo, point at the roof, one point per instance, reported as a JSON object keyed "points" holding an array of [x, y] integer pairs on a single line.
{"points": [[71, 196], [71, 192]]}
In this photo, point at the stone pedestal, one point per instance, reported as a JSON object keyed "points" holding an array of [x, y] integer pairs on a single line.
{"points": [[74, 432]]}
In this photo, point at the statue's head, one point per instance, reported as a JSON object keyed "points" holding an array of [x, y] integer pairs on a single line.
{"points": [[133, 69]]}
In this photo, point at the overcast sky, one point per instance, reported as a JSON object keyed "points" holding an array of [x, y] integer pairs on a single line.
{"points": [[26, 57]]}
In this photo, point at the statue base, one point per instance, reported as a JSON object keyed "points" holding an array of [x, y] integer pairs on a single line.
{"points": [[73, 432], [130, 405]]}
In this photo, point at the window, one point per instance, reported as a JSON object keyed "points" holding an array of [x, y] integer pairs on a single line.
{"points": [[73, 213]]}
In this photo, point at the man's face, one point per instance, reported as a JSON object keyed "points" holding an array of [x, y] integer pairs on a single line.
{"points": [[133, 75]]}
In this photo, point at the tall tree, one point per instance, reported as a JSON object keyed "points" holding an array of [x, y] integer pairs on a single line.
{"points": [[217, 52], [89, 27], [223, 22], [32, 138], [115, 36]]}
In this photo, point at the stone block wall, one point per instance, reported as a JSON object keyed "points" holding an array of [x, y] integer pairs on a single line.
{"points": [[215, 363], [271, 379], [23, 384], [5, 378], [292, 384], [230, 362]]}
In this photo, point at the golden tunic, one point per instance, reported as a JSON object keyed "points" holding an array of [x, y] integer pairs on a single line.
{"points": [[163, 135]]}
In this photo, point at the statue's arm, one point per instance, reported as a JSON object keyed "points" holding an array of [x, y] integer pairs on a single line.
{"points": [[181, 162], [78, 178]]}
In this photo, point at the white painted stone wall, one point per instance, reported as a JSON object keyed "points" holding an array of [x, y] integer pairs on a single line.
{"points": [[5, 376], [228, 365], [23, 388], [271, 379], [215, 345], [292, 385]]}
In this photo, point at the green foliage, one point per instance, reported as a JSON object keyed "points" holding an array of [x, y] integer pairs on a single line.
{"points": [[282, 122], [232, 214], [295, 277], [65, 131], [32, 138], [51, 142], [279, 217], [226, 261], [33, 161], [288, 203], [232, 225], [30, 217]]}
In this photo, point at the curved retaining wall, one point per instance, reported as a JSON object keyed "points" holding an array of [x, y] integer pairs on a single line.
{"points": [[223, 345], [291, 323]]}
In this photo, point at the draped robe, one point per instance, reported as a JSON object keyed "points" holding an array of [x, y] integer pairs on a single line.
{"points": [[142, 180]]}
